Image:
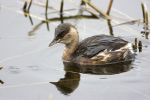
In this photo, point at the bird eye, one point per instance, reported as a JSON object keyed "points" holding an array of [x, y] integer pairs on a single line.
{"points": [[62, 34]]}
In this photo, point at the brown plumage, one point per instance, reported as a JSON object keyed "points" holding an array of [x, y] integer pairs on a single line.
{"points": [[99, 49]]}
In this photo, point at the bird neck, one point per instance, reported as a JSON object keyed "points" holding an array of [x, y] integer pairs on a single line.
{"points": [[72, 46]]}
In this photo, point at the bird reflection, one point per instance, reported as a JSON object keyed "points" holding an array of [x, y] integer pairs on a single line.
{"points": [[71, 79], [68, 84], [107, 69]]}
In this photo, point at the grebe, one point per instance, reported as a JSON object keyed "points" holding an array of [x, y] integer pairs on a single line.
{"points": [[95, 50]]}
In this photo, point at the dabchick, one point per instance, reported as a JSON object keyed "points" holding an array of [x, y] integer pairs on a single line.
{"points": [[95, 50]]}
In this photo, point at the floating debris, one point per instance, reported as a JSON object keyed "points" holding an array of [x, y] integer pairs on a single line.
{"points": [[1, 82], [1, 68]]}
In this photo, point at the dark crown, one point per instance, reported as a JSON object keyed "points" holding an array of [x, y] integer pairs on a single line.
{"points": [[62, 30]]}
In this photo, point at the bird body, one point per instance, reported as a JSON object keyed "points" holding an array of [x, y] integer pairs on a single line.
{"points": [[95, 50]]}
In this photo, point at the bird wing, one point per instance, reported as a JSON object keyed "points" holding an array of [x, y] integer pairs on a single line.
{"points": [[93, 45]]}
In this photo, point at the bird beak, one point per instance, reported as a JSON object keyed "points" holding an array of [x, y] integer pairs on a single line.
{"points": [[53, 42]]}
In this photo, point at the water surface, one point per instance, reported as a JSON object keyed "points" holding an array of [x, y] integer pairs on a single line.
{"points": [[33, 71]]}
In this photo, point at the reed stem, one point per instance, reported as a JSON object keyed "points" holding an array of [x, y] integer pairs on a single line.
{"points": [[46, 15], [109, 7], [61, 11], [97, 10]]}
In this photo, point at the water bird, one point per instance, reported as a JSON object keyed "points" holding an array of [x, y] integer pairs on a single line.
{"points": [[94, 50]]}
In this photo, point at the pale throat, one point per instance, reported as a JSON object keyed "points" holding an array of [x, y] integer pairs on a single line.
{"points": [[72, 46]]}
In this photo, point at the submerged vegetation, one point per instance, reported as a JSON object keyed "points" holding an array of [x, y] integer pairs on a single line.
{"points": [[88, 6], [95, 13]]}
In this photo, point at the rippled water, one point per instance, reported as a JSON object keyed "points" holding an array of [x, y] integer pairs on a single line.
{"points": [[33, 71]]}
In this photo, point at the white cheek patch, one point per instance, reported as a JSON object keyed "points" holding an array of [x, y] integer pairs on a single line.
{"points": [[69, 37]]}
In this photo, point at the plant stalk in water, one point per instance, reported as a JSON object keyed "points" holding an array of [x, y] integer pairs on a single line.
{"points": [[109, 21], [97, 10], [145, 18], [46, 15], [26, 10], [61, 11]]}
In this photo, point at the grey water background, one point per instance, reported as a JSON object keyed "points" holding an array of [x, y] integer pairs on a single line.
{"points": [[29, 65]]}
